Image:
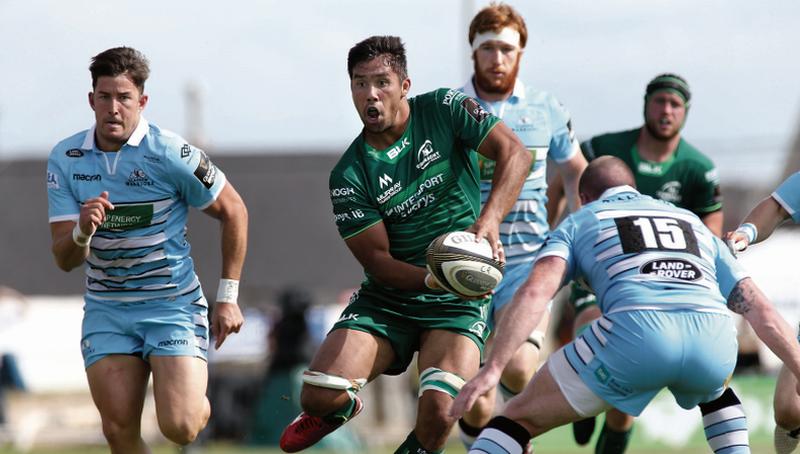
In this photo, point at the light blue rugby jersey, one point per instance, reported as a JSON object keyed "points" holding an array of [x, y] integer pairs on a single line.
{"points": [[788, 196], [631, 249], [140, 252], [543, 126]]}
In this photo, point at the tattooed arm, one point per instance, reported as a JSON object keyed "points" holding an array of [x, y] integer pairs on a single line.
{"points": [[748, 300]]}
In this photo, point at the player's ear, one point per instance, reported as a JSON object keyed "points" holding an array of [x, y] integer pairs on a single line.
{"points": [[405, 86], [143, 101], [91, 100]]}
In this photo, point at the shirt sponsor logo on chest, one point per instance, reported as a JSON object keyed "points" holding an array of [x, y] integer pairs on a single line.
{"points": [[385, 181]]}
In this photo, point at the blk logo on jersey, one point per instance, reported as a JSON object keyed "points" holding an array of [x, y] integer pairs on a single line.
{"points": [[426, 155], [74, 153], [397, 149], [474, 109], [138, 178], [186, 150]]}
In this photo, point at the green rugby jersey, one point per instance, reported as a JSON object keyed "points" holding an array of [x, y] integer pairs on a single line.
{"points": [[423, 185], [687, 179]]}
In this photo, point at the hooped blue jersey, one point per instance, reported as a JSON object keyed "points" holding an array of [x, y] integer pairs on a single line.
{"points": [[140, 252], [788, 196], [543, 125], [639, 253]]}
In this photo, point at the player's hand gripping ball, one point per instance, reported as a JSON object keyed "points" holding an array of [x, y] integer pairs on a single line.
{"points": [[463, 266]]}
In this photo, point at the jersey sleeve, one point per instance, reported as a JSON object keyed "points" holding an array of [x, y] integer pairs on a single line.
{"points": [[352, 209], [729, 270], [708, 195], [563, 144], [470, 122], [61, 203], [788, 196], [561, 243], [197, 179]]}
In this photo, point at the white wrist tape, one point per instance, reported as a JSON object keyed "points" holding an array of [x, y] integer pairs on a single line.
{"points": [[228, 291], [749, 230], [80, 238]]}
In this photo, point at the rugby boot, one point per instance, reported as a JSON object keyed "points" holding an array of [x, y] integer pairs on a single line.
{"points": [[306, 430]]}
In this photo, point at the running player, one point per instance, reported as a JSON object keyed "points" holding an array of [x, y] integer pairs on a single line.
{"points": [[118, 198], [757, 226], [665, 167], [410, 176], [498, 36], [662, 279]]}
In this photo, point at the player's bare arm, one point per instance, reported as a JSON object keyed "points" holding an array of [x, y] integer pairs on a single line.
{"points": [[748, 300], [371, 249], [70, 240], [571, 171], [714, 222], [513, 166], [522, 316], [765, 217], [230, 210]]}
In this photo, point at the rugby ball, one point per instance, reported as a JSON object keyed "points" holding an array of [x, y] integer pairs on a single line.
{"points": [[462, 265]]}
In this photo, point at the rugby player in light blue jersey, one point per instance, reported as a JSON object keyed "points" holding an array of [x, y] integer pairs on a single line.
{"points": [[498, 36], [757, 226], [662, 280], [118, 196]]}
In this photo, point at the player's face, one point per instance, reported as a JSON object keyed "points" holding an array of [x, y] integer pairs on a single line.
{"points": [[496, 66], [117, 105], [378, 94], [664, 115]]}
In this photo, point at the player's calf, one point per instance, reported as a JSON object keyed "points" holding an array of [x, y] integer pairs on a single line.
{"points": [[725, 424]]}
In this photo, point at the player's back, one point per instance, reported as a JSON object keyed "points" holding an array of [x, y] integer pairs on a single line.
{"points": [[637, 253]]}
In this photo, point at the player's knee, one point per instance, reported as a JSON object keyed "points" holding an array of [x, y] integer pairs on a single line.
{"points": [[521, 368], [787, 417], [323, 393], [120, 432], [183, 431]]}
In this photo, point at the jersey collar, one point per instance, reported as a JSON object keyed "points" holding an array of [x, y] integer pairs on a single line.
{"points": [[134, 140], [518, 92], [617, 190]]}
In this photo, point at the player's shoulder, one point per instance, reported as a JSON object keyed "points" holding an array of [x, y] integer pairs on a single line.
{"points": [[164, 141], [70, 147], [694, 156], [350, 162], [440, 96], [537, 96]]}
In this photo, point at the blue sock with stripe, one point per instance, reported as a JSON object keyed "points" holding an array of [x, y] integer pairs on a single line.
{"points": [[725, 424], [501, 436]]}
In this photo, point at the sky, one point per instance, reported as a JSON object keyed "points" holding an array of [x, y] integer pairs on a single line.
{"points": [[272, 75]]}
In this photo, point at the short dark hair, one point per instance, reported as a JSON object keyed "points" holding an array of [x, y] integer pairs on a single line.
{"points": [[388, 47], [118, 61]]}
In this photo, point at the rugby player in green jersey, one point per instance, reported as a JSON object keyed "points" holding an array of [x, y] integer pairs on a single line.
{"points": [[410, 176], [666, 167]]}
